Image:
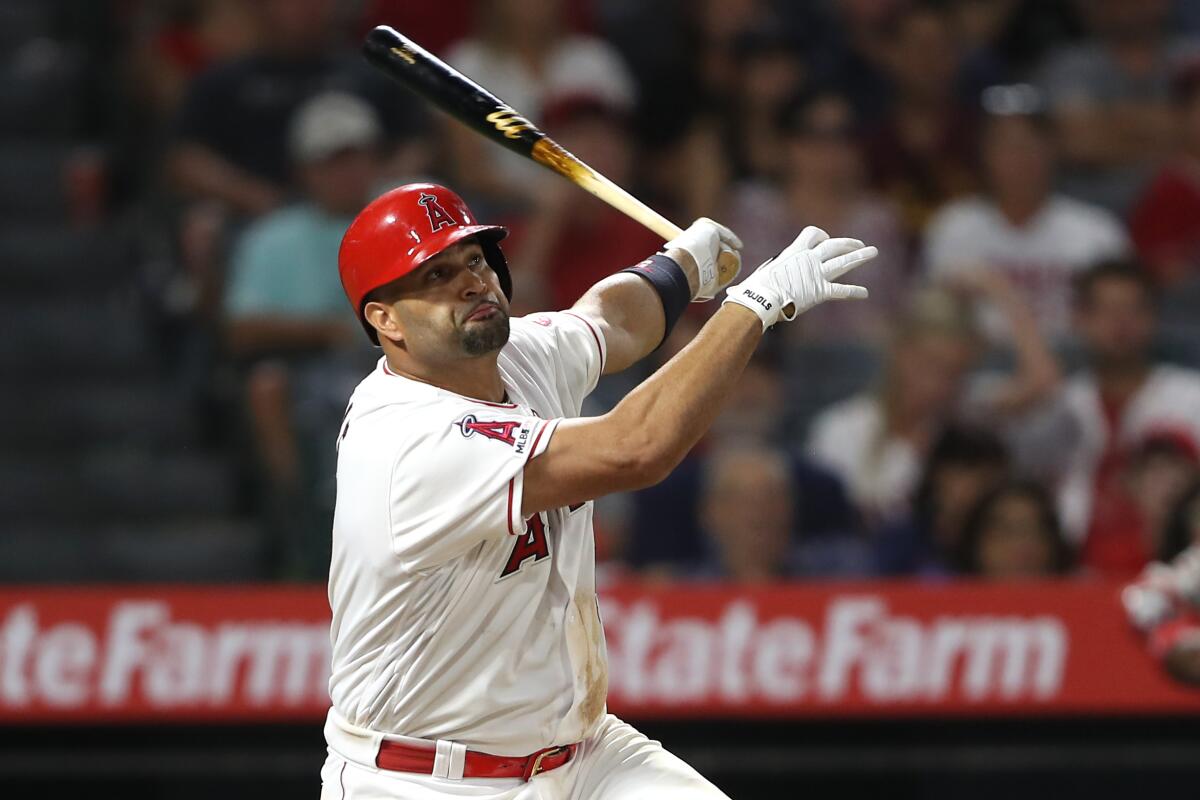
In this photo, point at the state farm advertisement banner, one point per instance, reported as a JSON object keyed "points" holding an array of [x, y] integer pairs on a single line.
{"points": [[871, 649]]}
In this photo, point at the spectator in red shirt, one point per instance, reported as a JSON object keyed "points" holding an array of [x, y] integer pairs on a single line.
{"points": [[1166, 220], [1122, 399]]}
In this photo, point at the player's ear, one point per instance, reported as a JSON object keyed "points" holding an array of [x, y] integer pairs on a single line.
{"points": [[383, 318]]}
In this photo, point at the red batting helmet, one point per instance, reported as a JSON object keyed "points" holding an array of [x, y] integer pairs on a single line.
{"points": [[403, 228]]}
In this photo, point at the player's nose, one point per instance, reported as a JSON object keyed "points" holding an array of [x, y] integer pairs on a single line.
{"points": [[471, 284]]}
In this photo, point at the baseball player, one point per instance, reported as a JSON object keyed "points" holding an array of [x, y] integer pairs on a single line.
{"points": [[468, 651]]}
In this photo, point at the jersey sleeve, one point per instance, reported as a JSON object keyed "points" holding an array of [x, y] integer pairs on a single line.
{"points": [[460, 482], [568, 345]]}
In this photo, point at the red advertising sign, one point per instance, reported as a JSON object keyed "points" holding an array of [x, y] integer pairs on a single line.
{"points": [[870, 649]]}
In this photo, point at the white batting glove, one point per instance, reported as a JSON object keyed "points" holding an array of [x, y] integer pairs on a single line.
{"points": [[705, 240], [802, 276]]}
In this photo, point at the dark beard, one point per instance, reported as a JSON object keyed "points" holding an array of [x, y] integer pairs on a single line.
{"points": [[487, 336]]}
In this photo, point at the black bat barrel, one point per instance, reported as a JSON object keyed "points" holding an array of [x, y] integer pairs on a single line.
{"points": [[448, 89]]}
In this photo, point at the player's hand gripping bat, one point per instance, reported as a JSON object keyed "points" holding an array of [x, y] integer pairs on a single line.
{"points": [[468, 102]]}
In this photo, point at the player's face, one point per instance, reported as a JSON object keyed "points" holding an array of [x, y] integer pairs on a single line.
{"points": [[452, 307]]}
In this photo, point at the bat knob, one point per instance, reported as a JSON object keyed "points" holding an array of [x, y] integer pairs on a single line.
{"points": [[727, 268]]}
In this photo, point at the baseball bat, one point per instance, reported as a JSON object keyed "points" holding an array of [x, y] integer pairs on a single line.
{"points": [[468, 102]]}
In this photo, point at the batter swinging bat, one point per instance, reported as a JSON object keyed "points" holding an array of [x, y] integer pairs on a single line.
{"points": [[468, 102]]}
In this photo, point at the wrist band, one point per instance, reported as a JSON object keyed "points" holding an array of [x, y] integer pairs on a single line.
{"points": [[671, 283]]}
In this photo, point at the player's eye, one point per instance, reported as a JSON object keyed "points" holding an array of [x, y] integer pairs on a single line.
{"points": [[434, 274], [476, 262]]}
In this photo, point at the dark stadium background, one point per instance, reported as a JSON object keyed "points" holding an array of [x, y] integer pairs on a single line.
{"points": [[161, 430]]}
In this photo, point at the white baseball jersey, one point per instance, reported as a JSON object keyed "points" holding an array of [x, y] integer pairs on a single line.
{"points": [[453, 617]]}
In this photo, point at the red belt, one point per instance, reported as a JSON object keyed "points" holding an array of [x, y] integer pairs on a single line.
{"points": [[408, 758]]}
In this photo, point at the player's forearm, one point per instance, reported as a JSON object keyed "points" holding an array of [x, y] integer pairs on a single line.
{"points": [[664, 417], [630, 312]]}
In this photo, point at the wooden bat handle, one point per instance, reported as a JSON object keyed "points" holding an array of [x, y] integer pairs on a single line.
{"points": [[549, 154]]}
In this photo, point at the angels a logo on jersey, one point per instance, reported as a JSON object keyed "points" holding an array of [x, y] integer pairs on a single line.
{"points": [[500, 430], [438, 216], [532, 544]]}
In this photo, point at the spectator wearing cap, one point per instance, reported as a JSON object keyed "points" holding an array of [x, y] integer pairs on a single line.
{"points": [[522, 52], [876, 441], [283, 294], [1018, 226], [231, 134], [1121, 399], [285, 311], [1165, 222], [821, 180]]}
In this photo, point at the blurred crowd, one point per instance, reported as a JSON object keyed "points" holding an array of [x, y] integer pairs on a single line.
{"points": [[1019, 397]]}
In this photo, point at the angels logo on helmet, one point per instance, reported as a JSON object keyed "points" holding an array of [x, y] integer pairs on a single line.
{"points": [[438, 216]]}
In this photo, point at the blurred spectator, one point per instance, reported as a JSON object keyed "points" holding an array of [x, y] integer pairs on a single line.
{"points": [[283, 294], [742, 64], [1108, 96], [287, 317], [1037, 239], [770, 76], [666, 532], [1119, 401], [1185, 16], [1182, 525], [1160, 472], [231, 133], [822, 183], [523, 53], [921, 152], [748, 513], [749, 516], [963, 465], [1012, 533], [979, 26], [852, 52], [876, 441], [1166, 220], [572, 240], [1031, 29], [182, 39]]}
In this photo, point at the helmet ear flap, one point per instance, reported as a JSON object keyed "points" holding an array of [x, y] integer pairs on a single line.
{"points": [[499, 264]]}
